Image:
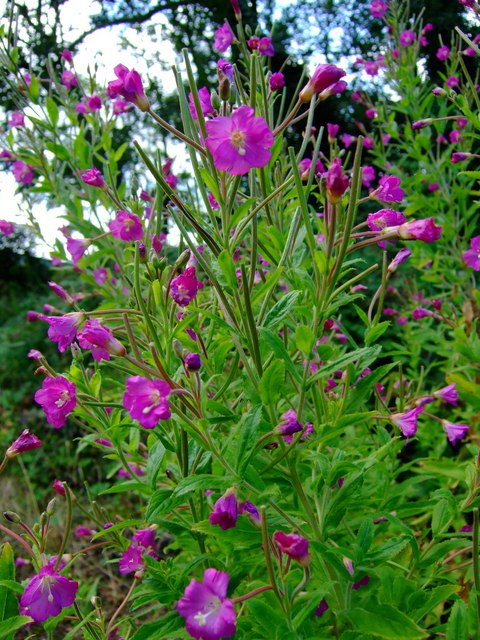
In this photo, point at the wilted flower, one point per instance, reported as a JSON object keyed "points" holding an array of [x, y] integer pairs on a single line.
{"points": [[324, 76], [47, 594], [25, 442], [295, 546], [146, 400], [100, 340], [209, 614], [239, 142], [57, 397]]}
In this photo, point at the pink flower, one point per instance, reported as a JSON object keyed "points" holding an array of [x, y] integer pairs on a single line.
{"points": [[69, 79], [17, 119], [171, 180], [378, 8], [337, 181], [185, 287], [407, 421], [276, 81], [448, 394], [25, 442], [209, 614], [324, 76], [454, 431], [223, 66], [94, 103], [225, 511], [213, 202], [455, 136], [57, 397], [205, 103], [145, 537], [81, 107], [288, 424], [472, 255], [47, 594], [425, 230], [77, 247], [371, 113], [371, 68], [368, 142], [443, 53], [100, 275], [58, 487], [384, 219], [433, 186], [295, 546], [128, 85], [423, 41], [67, 55], [63, 329], [420, 312], [6, 156], [401, 256], [81, 531], [223, 38], [265, 47], [347, 140], [126, 227], [94, 178], [121, 106], [157, 242], [407, 38], [22, 172], [146, 400], [388, 189], [368, 174], [7, 228], [460, 156], [132, 559], [239, 142], [452, 82], [253, 43], [100, 340]]}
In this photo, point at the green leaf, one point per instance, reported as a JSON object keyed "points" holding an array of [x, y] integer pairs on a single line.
{"points": [[9, 626], [120, 151], [440, 517], [365, 535], [457, 625], [200, 482], [372, 334], [386, 622], [8, 602], [211, 184], [52, 110], [281, 309], [154, 462], [434, 598], [248, 436], [276, 345], [272, 380], [169, 624], [304, 339], [366, 355], [387, 550], [227, 267], [59, 150]]}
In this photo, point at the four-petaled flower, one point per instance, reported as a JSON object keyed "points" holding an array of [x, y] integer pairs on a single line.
{"points": [[205, 103], [100, 340], [57, 397], [239, 142], [471, 257], [126, 227], [184, 287], [94, 178], [407, 421], [388, 189], [25, 442], [146, 400], [209, 614], [47, 594], [454, 431], [223, 38], [63, 329]]}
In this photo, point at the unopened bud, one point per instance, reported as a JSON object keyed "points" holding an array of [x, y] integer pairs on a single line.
{"points": [[233, 96], [177, 349], [170, 475], [193, 362], [142, 252], [223, 86], [183, 258], [11, 516], [51, 506], [43, 518], [96, 602], [215, 100]]}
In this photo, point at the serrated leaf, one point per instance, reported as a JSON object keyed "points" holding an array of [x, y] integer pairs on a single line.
{"points": [[281, 309], [386, 622], [387, 550], [168, 624], [374, 333], [276, 345], [366, 355], [248, 436], [304, 339], [52, 110], [440, 517], [457, 625], [227, 267], [272, 380]]}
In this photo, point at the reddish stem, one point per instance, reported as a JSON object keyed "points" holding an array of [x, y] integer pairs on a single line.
{"points": [[252, 593]]}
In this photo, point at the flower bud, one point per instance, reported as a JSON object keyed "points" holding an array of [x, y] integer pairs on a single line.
{"points": [[215, 100], [51, 506], [11, 516], [193, 362]]}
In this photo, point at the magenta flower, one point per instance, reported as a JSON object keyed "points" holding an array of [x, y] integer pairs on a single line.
{"points": [[126, 227], [77, 247], [136, 469], [378, 8], [145, 537], [288, 424], [17, 119], [58, 487], [455, 136], [25, 442], [59, 291], [22, 172], [209, 614], [407, 37], [132, 559], [100, 340], [47, 594], [265, 47], [368, 142], [276, 81], [472, 255], [293, 545], [452, 82], [69, 79], [184, 288], [205, 103], [223, 66], [322, 607], [337, 182], [146, 400], [252, 512], [454, 431], [253, 43], [94, 103], [81, 107], [94, 178], [407, 421], [67, 55], [425, 230], [63, 329], [347, 140], [213, 202], [368, 174], [389, 189], [193, 362], [223, 38], [128, 85], [239, 142], [448, 394], [443, 53], [121, 106], [324, 76], [57, 397], [385, 218], [82, 531], [332, 130], [7, 228], [6, 156], [401, 256], [225, 511], [100, 275], [419, 312]]}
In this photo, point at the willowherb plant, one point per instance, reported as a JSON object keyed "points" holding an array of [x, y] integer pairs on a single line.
{"points": [[288, 479]]}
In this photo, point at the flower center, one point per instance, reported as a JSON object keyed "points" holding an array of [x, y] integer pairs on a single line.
{"points": [[237, 138], [128, 223], [213, 606], [155, 399], [63, 398]]}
